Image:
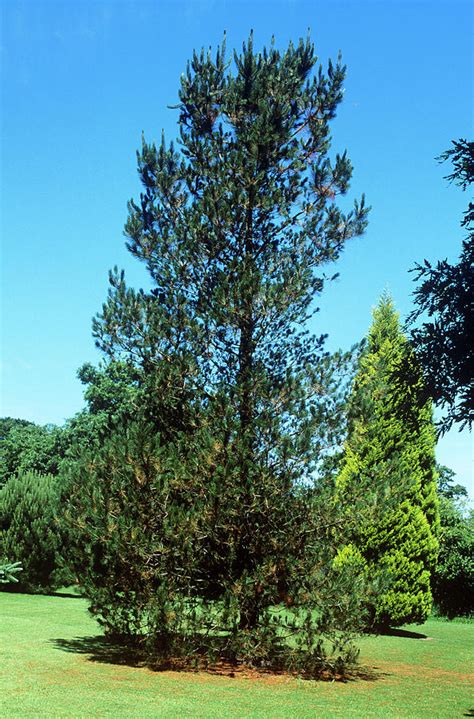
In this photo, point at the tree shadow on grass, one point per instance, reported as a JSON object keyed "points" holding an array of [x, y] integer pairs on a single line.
{"points": [[62, 594], [403, 633], [65, 595], [106, 650], [103, 650]]}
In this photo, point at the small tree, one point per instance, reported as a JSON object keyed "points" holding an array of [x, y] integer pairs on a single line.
{"points": [[29, 531], [389, 473]]}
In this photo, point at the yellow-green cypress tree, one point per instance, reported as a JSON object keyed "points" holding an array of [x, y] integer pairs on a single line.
{"points": [[388, 473]]}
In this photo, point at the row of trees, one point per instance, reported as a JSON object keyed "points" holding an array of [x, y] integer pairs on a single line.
{"points": [[31, 510], [373, 509], [227, 494]]}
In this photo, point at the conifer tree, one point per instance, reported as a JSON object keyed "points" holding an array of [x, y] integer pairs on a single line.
{"points": [[29, 530], [235, 228], [444, 340], [388, 473]]}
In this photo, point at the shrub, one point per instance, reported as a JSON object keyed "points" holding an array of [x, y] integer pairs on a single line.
{"points": [[29, 530]]}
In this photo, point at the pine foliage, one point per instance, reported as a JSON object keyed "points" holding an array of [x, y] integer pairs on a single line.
{"points": [[29, 530], [207, 497], [8, 572]]}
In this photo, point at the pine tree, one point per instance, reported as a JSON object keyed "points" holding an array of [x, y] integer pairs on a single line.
{"points": [[235, 229], [29, 530], [389, 472]]}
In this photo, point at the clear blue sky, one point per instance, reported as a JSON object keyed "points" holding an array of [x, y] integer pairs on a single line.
{"points": [[81, 80]]}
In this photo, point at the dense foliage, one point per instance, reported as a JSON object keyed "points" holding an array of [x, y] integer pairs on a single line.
{"points": [[27, 447], [29, 531], [445, 343], [453, 578], [207, 496], [151, 548], [388, 474], [204, 498]]}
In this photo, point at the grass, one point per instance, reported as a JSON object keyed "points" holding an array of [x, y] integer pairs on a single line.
{"points": [[55, 663]]}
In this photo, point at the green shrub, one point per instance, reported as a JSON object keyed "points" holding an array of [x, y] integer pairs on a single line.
{"points": [[29, 530]]}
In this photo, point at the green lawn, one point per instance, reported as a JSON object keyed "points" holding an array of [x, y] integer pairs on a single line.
{"points": [[54, 664]]}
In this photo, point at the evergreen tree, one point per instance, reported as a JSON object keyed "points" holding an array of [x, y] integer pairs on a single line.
{"points": [[235, 230], [29, 530], [389, 473], [444, 301]]}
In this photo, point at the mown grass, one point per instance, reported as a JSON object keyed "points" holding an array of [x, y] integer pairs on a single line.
{"points": [[55, 663]]}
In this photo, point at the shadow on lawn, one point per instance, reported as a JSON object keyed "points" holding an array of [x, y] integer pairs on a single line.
{"points": [[403, 633], [61, 593], [104, 650], [65, 595], [108, 651]]}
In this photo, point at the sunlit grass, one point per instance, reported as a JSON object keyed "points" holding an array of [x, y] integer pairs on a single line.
{"points": [[55, 663]]}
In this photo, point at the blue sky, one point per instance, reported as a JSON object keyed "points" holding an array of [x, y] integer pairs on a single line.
{"points": [[82, 79]]}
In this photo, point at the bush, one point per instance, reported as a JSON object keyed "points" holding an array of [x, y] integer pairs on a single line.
{"points": [[29, 531]]}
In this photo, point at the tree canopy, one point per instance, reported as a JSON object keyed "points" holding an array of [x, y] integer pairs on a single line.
{"points": [[236, 226], [445, 343], [28, 447]]}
